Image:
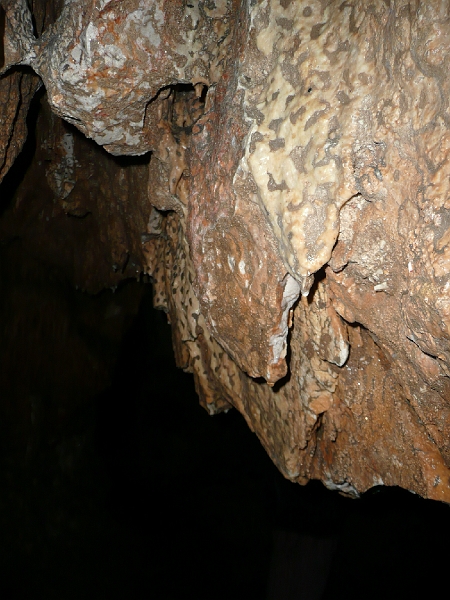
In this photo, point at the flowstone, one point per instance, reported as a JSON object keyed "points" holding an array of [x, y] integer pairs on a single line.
{"points": [[295, 205]]}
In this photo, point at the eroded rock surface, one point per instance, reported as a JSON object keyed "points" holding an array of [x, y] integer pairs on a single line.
{"points": [[296, 218]]}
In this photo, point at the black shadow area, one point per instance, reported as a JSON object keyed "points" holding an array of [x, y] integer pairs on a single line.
{"points": [[146, 496]]}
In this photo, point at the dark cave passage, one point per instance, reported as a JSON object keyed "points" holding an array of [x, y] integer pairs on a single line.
{"points": [[114, 482], [134, 491]]}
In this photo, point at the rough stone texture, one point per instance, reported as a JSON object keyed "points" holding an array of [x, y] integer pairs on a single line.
{"points": [[78, 210], [16, 92], [297, 148], [103, 62], [17, 88]]}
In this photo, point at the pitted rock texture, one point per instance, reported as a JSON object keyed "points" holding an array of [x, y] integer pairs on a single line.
{"points": [[123, 106], [16, 92], [18, 86], [104, 63], [296, 148]]}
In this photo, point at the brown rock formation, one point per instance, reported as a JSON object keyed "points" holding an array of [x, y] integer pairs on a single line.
{"points": [[298, 180]]}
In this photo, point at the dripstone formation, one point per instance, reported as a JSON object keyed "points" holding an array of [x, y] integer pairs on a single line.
{"points": [[291, 205]]}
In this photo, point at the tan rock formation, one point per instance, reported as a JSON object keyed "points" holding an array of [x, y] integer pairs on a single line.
{"points": [[293, 215]]}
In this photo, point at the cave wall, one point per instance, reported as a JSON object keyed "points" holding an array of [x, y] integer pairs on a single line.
{"points": [[290, 204]]}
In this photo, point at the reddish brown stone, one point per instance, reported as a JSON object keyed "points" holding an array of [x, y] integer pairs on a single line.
{"points": [[293, 151]]}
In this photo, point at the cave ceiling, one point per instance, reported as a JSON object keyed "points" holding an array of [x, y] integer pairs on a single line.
{"points": [[289, 198]]}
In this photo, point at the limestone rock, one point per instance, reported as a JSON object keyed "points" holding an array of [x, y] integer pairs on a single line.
{"points": [[299, 180]]}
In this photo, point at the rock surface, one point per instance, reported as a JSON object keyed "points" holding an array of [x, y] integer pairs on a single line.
{"points": [[293, 214]]}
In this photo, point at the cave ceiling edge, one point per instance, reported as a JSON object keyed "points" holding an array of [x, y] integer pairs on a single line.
{"points": [[296, 147]]}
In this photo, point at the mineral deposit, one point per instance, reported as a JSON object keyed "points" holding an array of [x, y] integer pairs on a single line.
{"points": [[291, 205]]}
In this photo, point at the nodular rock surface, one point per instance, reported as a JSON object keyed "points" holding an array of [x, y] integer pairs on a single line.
{"points": [[291, 206]]}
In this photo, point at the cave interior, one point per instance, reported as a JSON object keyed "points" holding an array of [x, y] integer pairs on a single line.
{"points": [[114, 481]]}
